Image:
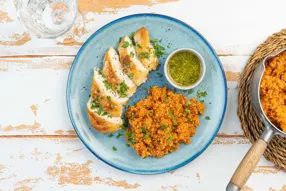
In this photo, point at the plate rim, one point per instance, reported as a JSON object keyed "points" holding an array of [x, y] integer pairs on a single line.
{"points": [[134, 171]]}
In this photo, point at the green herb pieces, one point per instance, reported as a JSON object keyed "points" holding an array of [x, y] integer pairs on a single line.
{"points": [[163, 127], [167, 101], [144, 55], [149, 148], [110, 135], [125, 44], [123, 127], [202, 101], [108, 98], [138, 45], [159, 75], [171, 113], [146, 135], [191, 91], [120, 39], [122, 89], [170, 138], [127, 145], [131, 76], [207, 118], [188, 103], [174, 128], [131, 36], [107, 85], [132, 54], [187, 111], [143, 130], [118, 135], [201, 94], [114, 148], [159, 50]]}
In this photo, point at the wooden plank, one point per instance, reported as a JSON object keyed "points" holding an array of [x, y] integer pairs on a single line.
{"points": [[66, 164], [39, 84], [229, 31]]}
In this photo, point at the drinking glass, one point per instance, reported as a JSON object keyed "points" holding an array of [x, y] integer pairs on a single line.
{"points": [[47, 18]]}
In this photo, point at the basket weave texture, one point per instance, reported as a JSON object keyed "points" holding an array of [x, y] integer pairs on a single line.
{"points": [[251, 124]]}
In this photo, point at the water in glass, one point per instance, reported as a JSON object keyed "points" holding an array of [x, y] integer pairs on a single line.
{"points": [[47, 18]]}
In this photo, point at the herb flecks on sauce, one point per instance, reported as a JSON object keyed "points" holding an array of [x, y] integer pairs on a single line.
{"points": [[184, 68]]}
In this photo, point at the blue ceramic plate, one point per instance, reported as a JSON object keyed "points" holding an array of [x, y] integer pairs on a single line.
{"points": [[175, 33]]}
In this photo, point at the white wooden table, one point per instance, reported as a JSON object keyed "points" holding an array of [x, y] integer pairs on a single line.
{"points": [[39, 149]]}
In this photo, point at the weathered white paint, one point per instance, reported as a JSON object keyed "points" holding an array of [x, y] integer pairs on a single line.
{"points": [[233, 27], [34, 159]]}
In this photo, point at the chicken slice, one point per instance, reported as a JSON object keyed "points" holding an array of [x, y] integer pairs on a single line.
{"points": [[113, 71], [101, 122], [131, 64], [103, 94], [145, 50]]}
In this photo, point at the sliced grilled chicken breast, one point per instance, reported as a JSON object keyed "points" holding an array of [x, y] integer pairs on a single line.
{"points": [[105, 96], [113, 71], [144, 49], [101, 121], [130, 62]]}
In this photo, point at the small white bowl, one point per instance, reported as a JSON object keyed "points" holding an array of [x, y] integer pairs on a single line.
{"points": [[202, 73]]}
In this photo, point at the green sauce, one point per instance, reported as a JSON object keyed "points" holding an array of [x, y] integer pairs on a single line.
{"points": [[184, 68]]}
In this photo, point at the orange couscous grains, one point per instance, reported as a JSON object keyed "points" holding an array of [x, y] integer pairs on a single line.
{"points": [[162, 121], [273, 90]]}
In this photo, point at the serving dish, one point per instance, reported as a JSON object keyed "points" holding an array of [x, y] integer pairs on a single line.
{"points": [[174, 34]]}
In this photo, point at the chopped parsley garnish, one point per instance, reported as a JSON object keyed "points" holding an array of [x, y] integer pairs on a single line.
{"points": [[146, 135], [170, 138], [104, 113], [138, 45], [131, 36], [149, 148], [143, 130], [144, 55], [191, 91], [93, 106], [122, 89], [112, 106], [174, 128], [118, 135], [207, 118], [110, 135], [187, 111], [131, 76], [133, 141], [100, 110], [123, 127], [144, 88], [125, 44], [114, 148], [163, 127], [127, 65], [202, 101], [175, 121], [169, 45], [188, 103], [108, 98], [109, 116], [201, 94], [159, 50], [120, 39], [131, 54], [167, 101], [159, 75], [107, 85], [127, 145], [171, 113]]}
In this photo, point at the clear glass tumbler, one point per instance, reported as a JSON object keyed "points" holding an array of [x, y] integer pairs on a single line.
{"points": [[47, 18]]}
